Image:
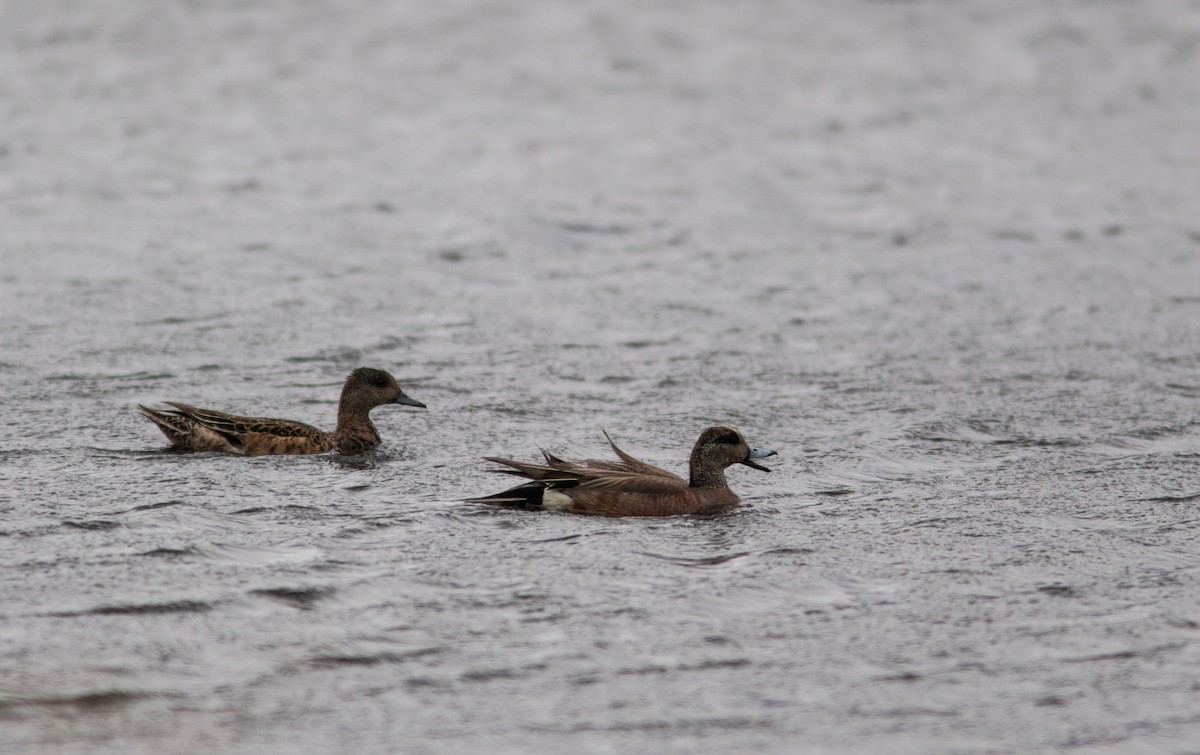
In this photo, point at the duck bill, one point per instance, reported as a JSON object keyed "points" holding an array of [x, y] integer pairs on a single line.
{"points": [[757, 453], [409, 401]]}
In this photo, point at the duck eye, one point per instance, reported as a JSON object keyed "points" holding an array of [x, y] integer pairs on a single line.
{"points": [[379, 382], [730, 438]]}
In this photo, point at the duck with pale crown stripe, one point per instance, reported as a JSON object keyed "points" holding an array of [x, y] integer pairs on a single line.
{"points": [[631, 487], [192, 429]]}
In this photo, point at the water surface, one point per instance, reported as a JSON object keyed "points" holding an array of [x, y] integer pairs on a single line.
{"points": [[944, 260]]}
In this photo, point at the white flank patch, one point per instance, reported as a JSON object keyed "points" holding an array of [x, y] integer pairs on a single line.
{"points": [[555, 501]]}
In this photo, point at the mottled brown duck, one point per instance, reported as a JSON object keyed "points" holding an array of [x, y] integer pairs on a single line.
{"points": [[192, 429]]}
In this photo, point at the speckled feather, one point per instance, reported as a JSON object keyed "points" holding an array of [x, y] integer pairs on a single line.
{"points": [[193, 429]]}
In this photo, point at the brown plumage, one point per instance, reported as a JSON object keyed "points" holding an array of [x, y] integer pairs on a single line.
{"points": [[631, 487], [192, 429]]}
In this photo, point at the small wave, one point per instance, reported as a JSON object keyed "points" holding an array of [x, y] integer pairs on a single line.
{"points": [[260, 555], [1170, 498], [130, 376], [154, 506], [91, 524], [701, 666], [89, 700], [561, 539], [834, 492], [694, 726], [1175, 438], [140, 609], [936, 522], [303, 598], [344, 355], [170, 552], [882, 469], [1074, 523], [701, 561], [179, 320], [1125, 654], [985, 432], [1058, 590], [953, 432], [1191, 391], [371, 659]]}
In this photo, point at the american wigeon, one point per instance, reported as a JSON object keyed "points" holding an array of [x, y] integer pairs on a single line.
{"points": [[192, 429], [631, 487]]}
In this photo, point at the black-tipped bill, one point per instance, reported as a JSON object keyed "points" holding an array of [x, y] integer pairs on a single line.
{"points": [[757, 453], [409, 401]]}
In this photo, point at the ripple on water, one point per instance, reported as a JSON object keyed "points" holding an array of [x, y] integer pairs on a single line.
{"points": [[987, 432], [1171, 498], [139, 609], [82, 701], [171, 517], [700, 561], [303, 598], [878, 469], [91, 524], [257, 555], [170, 553], [1191, 391], [1179, 440], [352, 655], [1073, 522]]}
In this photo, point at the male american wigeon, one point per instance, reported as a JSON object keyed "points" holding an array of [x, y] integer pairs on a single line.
{"points": [[631, 487], [192, 429]]}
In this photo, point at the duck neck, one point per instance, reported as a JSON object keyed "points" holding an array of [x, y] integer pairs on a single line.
{"points": [[354, 426], [707, 476]]}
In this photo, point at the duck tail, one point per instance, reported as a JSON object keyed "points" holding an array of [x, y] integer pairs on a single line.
{"points": [[527, 497], [174, 425]]}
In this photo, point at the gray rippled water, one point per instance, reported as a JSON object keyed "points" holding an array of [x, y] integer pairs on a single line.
{"points": [[944, 260]]}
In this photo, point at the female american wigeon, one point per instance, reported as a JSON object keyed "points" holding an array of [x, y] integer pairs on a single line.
{"points": [[192, 429], [631, 487]]}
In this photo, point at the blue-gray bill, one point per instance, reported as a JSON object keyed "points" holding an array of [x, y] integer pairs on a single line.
{"points": [[757, 453], [409, 401]]}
